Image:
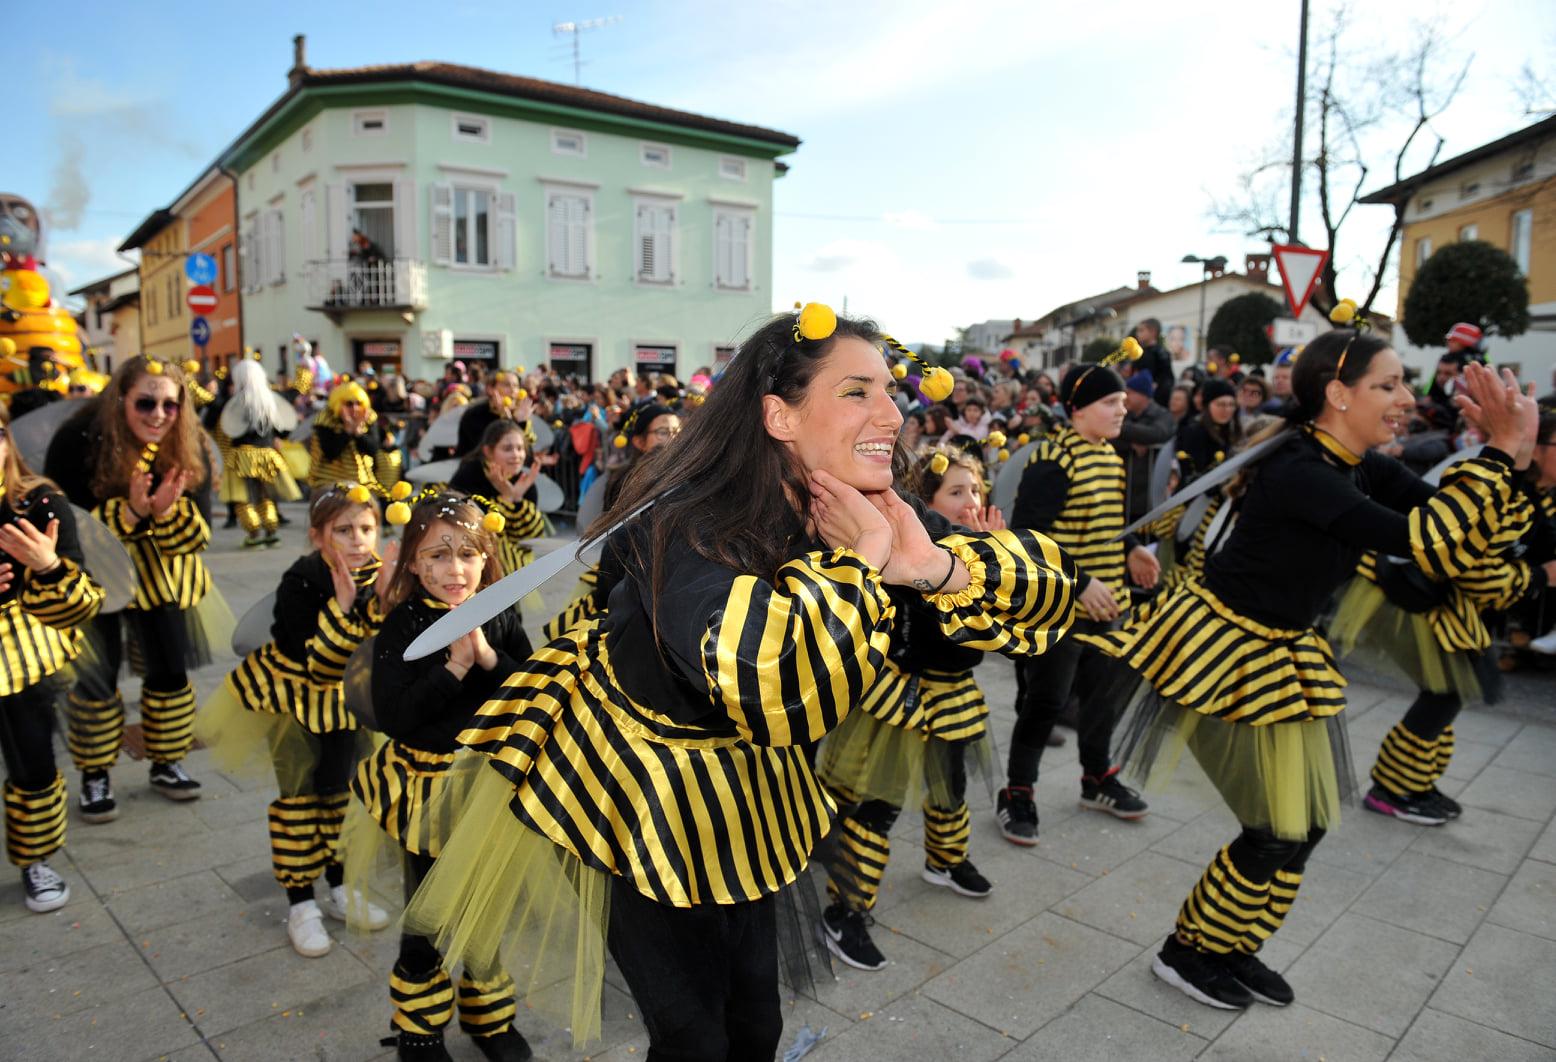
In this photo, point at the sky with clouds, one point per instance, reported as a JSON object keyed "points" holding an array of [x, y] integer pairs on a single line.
{"points": [[987, 159]]}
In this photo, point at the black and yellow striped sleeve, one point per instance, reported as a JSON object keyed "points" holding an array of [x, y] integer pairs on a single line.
{"points": [[182, 530], [122, 520], [337, 636], [63, 598], [786, 660], [1457, 526], [1496, 584], [1020, 597], [588, 601], [523, 520]]}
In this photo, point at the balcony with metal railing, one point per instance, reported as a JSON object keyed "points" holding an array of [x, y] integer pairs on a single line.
{"points": [[339, 286]]}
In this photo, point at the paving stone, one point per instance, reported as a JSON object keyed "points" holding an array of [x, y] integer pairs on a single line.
{"points": [[1199, 840], [1298, 1034], [1370, 973], [144, 1024], [1094, 843], [912, 1027], [240, 993], [546, 1030], [1439, 1037], [81, 924], [1438, 897], [1364, 842], [1484, 839], [1470, 758], [1023, 886], [1138, 901], [168, 902], [909, 964], [1099, 1030], [1504, 979], [1545, 848], [1026, 978], [1529, 902], [1521, 793], [342, 1026], [1325, 894], [216, 939], [87, 978], [1487, 727], [1532, 749], [1137, 987], [253, 878]]}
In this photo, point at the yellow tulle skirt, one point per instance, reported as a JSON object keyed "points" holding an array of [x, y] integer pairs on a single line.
{"points": [[867, 759], [270, 467], [1373, 631], [247, 744]]}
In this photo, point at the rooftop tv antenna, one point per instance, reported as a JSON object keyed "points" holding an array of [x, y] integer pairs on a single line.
{"points": [[577, 29]]}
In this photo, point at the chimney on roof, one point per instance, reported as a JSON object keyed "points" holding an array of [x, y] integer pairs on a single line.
{"points": [[1143, 279], [1015, 326], [294, 76], [1257, 266]]}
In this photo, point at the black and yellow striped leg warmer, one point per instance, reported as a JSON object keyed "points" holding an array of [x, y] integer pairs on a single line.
{"points": [[297, 851], [94, 731], [1222, 908], [863, 849], [34, 821], [1444, 752], [1283, 893], [945, 835], [248, 517], [167, 719], [331, 817], [269, 515], [423, 1003], [1406, 763], [486, 1008]]}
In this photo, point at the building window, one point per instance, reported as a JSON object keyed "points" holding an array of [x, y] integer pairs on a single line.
{"points": [[472, 129], [275, 162], [1523, 169], [732, 249], [568, 223], [656, 156], [229, 267], [571, 359], [648, 358], [1469, 232], [732, 169], [373, 216], [569, 142], [654, 243], [1521, 237], [369, 123], [722, 356], [472, 226], [1423, 250], [307, 139], [1469, 189]]}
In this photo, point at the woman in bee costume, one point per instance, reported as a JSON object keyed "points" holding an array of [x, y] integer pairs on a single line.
{"points": [[350, 445], [659, 755], [1232, 667]]}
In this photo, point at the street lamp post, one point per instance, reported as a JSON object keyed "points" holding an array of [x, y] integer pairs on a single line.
{"points": [[1216, 265]]}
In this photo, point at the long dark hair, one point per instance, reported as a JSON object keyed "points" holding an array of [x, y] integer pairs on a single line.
{"points": [[724, 486], [1317, 363]]}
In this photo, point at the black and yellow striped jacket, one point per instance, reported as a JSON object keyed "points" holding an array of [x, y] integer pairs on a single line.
{"points": [[166, 551], [669, 747], [41, 614], [299, 671], [1073, 492], [336, 457]]}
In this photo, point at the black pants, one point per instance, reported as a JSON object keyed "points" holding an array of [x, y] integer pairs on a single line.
{"points": [[705, 978], [1258, 854], [1045, 685], [27, 735], [417, 953], [161, 640], [1431, 714]]}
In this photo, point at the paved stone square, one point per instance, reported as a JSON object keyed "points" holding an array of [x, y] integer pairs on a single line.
{"points": [[1411, 944]]}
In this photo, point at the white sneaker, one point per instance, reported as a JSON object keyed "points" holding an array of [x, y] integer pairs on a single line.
{"points": [[46, 890], [1545, 644], [305, 925], [346, 906]]}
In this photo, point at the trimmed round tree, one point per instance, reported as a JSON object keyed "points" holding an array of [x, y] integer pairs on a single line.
{"points": [[1097, 349], [1239, 326], [1468, 281]]}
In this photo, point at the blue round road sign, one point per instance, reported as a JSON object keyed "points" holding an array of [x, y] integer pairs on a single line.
{"points": [[200, 269], [200, 331]]}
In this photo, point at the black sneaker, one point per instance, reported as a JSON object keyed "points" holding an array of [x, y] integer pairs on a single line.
{"points": [[96, 798], [1200, 976], [1112, 796], [1418, 808], [847, 935], [418, 1047], [46, 890], [1445, 803], [1266, 985], [506, 1046], [962, 879], [170, 780], [1017, 814]]}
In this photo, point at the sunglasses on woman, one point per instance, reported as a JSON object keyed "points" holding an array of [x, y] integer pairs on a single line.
{"points": [[146, 405]]}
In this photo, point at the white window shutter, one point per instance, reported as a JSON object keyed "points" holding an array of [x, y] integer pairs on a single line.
{"points": [[664, 232], [740, 251], [654, 252], [246, 259], [567, 234], [277, 248], [507, 239], [723, 242], [337, 222], [442, 223], [405, 219], [556, 234], [578, 237], [645, 242], [308, 211]]}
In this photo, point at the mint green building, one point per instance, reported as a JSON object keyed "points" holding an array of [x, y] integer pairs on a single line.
{"points": [[412, 214]]}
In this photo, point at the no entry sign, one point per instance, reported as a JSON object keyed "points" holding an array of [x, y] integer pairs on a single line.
{"points": [[201, 298]]}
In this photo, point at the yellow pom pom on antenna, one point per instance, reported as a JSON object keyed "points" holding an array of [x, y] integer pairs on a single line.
{"points": [[1004, 455], [493, 522], [996, 439], [1236, 358], [359, 495], [400, 491], [191, 367], [939, 463], [398, 514], [817, 321], [899, 371], [1131, 348], [7, 346], [1343, 313], [619, 442], [937, 384], [1023, 439], [521, 394], [154, 367]]}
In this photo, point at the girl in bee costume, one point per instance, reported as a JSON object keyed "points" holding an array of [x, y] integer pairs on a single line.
{"points": [[45, 597], [660, 754], [136, 459], [500, 477], [916, 728], [253, 418], [1232, 667], [284, 702], [448, 554]]}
